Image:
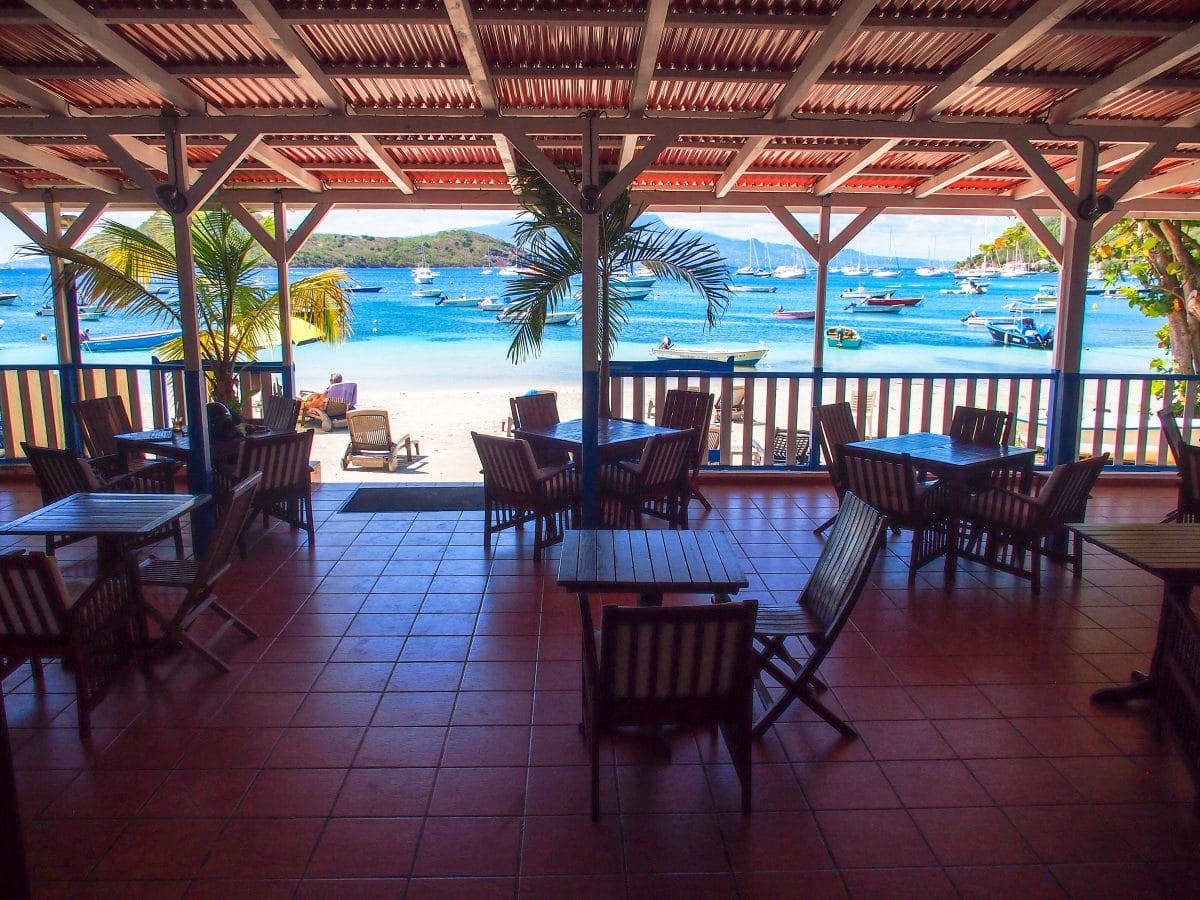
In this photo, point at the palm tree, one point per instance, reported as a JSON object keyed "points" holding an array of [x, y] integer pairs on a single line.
{"points": [[123, 269], [551, 238]]}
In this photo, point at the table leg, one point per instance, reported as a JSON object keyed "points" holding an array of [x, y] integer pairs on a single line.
{"points": [[1141, 685]]}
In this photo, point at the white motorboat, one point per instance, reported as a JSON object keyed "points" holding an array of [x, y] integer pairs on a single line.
{"points": [[862, 293], [884, 272], [464, 300], [7, 299], [427, 292], [520, 316], [421, 272], [740, 356], [857, 307], [494, 304], [1028, 307], [637, 277], [752, 289]]}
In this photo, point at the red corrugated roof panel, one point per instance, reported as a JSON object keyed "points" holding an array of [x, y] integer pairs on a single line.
{"points": [[381, 44], [253, 93], [88, 93], [1080, 54], [43, 44], [887, 51], [732, 48], [404, 93], [562, 93], [186, 42], [712, 96], [1143, 104], [848, 99], [1014, 102]]}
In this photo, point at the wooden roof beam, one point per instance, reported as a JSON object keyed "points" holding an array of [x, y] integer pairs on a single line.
{"points": [[32, 95], [1025, 30], [648, 45], [1188, 174], [293, 51], [1126, 78], [378, 155], [973, 163], [1113, 156], [304, 230], [1040, 232], [853, 166], [796, 230], [1045, 174], [52, 162]]}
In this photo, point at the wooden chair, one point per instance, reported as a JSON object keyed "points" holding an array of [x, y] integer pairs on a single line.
{"points": [[983, 426], [97, 632], [1175, 443], [60, 473], [539, 410], [100, 421], [281, 413], [779, 442], [657, 484], [889, 483], [737, 405], [1188, 463], [371, 440], [685, 665], [819, 614], [691, 409], [516, 490], [286, 488], [834, 423], [198, 578], [1011, 530]]}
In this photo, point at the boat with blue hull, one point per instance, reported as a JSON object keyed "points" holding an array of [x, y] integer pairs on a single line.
{"points": [[1022, 332], [146, 340]]}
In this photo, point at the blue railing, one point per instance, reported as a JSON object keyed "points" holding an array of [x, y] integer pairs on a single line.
{"points": [[33, 403]]}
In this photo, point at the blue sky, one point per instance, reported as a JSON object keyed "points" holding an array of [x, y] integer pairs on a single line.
{"points": [[940, 237]]}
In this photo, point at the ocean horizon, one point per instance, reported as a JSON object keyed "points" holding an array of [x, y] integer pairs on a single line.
{"points": [[410, 341]]}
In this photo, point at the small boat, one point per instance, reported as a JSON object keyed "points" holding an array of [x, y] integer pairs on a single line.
{"points": [[87, 314], [843, 337], [1046, 292], [1035, 307], [858, 271], [146, 340], [893, 301], [521, 316], [485, 271], [633, 293], [862, 293], [966, 287], [427, 292], [494, 304], [974, 318], [884, 273], [1022, 332], [753, 289], [857, 307], [637, 277], [7, 299], [745, 356], [464, 300], [795, 315], [515, 272], [46, 309], [366, 289]]}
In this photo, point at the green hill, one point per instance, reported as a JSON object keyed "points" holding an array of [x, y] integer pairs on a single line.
{"points": [[458, 248]]}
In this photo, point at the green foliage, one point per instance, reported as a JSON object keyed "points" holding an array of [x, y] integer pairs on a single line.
{"points": [[1016, 241], [457, 248]]}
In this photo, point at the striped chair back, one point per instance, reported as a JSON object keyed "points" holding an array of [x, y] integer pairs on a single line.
{"points": [[281, 458], [1064, 496], [33, 596], [534, 410], [1170, 431], [281, 413], [100, 420], [779, 441], [983, 426], [842, 568], [508, 466], [889, 483], [689, 409], [665, 463], [676, 657], [369, 429], [835, 426], [1188, 462], [59, 473], [231, 524]]}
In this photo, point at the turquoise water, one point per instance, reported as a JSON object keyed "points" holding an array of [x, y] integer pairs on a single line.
{"points": [[406, 339]]}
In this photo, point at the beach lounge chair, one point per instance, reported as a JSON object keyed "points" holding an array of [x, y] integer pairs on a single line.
{"points": [[340, 398], [371, 440]]}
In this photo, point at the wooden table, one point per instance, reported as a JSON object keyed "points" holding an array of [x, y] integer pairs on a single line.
{"points": [[1170, 552], [172, 445], [615, 437], [957, 461], [107, 517], [650, 563]]}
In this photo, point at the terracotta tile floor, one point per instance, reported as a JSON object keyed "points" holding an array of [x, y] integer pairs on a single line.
{"points": [[406, 725]]}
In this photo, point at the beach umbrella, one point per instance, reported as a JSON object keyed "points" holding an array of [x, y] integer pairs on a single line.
{"points": [[303, 332]]}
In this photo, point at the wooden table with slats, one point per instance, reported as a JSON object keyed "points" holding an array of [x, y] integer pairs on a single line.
{"points": [[650, 563], [614, 437]]}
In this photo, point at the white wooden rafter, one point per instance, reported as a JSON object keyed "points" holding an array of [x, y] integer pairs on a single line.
{"points": [[291, 49], [304, 230], [32, 95], [1040, 232], [1045, 174], [27, 226], [638, 164], [1173, 178], [852, 230], [52, 162], [383, 160], [649, 42], [1113, 156], [1136, 170], [533, 154], [973, 163], [1025, 30], [852, 166], [797, 231], [251, 223]]}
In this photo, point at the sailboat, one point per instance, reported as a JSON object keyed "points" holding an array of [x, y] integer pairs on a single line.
{"points": [[797, 269], [856, 270], [750, 267], [764, 271], [884, 271]]}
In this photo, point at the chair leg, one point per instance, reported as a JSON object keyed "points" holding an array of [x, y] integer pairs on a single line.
{"points": [[826, 525]]}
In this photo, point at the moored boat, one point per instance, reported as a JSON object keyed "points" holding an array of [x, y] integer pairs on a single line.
{"points": [[739, 356], [464, 300], [966, 287], [7, 299], [893, 301], [862, 293], [1022, 332], [1027, 307], [753, 289], [365, 289], [843, 337], [639, 276], [520, 316], [795, 315], [494, 304], [427, 292], [857, 307], [145, 340], [633, 293]]}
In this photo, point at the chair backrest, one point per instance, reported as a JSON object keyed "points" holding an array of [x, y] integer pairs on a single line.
{"points": [[983, 426], [340, 397], [229, 528], [1064, 496], [369, 429], [887, 482], [1188, 461], [779, 438], [509, 467], [59, 473], [281, 413], [1170, 431], [534, 410], [33, 596], [100, 420], [281, 458], [835, 427], [683, 663], [689, 409], [666, 461], [737, 403], [844, 563]]}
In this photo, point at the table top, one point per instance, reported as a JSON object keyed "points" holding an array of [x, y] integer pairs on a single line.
{"points": [[941, 453], [610, 432], [1171, 551], [656, 561], [105, 514]]}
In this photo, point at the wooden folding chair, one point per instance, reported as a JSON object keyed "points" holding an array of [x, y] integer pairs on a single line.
{"points": [[286, 488], [683, 665], [1175, 443], [101, 419], [834, 423], [657, 484], [983, 426], [691, 409], [819, 615], [198, 578]]}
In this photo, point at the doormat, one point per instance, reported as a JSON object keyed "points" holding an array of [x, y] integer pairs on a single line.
{"points": [[413, 499]]}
